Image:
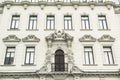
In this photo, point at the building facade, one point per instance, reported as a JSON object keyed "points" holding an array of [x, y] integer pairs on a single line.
{"points": [[60, 40]]}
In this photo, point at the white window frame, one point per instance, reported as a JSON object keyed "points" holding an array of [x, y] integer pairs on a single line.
{"points": [[103, 22], [89, 56], [9, 57], [68, 22], [32, 22], [15, 22], [50, 23], [29, 60], [108, 55], [85, 22]]}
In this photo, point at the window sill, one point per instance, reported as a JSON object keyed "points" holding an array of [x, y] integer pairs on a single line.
{"points": [[31, 29], [7, 65], [104, 29], [85, 29], [89, 64], [28, 65], [49, 29], [13, 29], [110, 64], [69, 29]]}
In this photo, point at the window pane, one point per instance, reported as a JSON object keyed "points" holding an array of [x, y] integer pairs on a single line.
{"points": [[91, 58], [33, 22], [30, 55], [67, 22], [15, 21], [86, 58], [85, 22], [50, 22], [9, 55]]}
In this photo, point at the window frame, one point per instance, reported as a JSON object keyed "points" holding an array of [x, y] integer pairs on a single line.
{"points": [[32, 21], [108, 55], [26, 52], [86, 22], [50, 21], [89, 52], [9, 62], [104, 22], [68, 27], [15, 21]]}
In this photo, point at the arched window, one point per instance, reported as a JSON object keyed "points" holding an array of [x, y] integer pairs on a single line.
{"points": [[59, 61]]}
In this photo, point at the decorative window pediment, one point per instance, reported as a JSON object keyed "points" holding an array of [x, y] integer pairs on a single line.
{"points": [[11, 38], [31, 38], [59, 36], [87, 38], [106, 38]]}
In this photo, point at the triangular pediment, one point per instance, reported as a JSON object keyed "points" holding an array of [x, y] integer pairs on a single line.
{"points": [[31, 38], [11, 38], [87, 38], [106, 38]]}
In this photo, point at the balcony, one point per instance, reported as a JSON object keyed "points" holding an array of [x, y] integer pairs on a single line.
{"points": [[61, 67]]}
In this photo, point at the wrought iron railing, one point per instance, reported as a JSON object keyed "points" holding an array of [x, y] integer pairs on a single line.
{"points": [[63, 67]]}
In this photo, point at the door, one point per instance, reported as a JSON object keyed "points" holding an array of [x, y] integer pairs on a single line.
{"points": [[59, 61]]}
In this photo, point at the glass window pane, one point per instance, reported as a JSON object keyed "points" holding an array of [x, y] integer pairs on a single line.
{"points": [[91, 58]]}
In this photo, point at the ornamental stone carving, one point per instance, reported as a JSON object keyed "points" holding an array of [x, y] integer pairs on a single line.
{"points": [[106, 38], [87, 38], [31, 38], [11, 38], [59, 36]]}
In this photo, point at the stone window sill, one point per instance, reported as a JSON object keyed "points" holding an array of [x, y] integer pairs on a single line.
{"points": [[104, 29], [8, 65], [69, 29], [31, 29], [89, 64], [85, 29], [28, 65], [49, 29], [13, 29], [110, 64]]}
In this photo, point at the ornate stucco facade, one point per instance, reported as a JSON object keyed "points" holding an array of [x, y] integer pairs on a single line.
{"points": [[49, 44]]}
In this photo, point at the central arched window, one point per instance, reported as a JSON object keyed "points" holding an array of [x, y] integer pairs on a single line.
{"points": [[59, 61]]}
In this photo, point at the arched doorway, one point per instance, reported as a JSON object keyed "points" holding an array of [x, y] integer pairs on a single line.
{"points": [[59, 61]]}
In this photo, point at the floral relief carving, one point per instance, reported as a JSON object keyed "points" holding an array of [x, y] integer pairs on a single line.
{"points": [[31, 38], [59, 36], [11, 38], [87, 38], [106, 38]]}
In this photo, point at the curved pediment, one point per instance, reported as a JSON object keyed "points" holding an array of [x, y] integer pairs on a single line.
{"points": [[31, 38], [87, 38], [106, 38], [58, 36], [11, 38]]}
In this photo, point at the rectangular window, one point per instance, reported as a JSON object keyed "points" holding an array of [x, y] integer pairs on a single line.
{"points": [[68, 22], [29, 57], [67, 0], [17, 0], [32, 22], [9, 58], [50, 0], [84, 1], [85, 22], [15, 22], [100, 1], [88, 54], [34, 0], [50, 22], [108, 55], [102, 22]]}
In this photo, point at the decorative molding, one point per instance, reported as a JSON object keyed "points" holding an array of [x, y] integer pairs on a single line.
{"points": [[59, 36], [106, 38], [31, 38], [11, 38], [87, 38], [75, 69]]}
